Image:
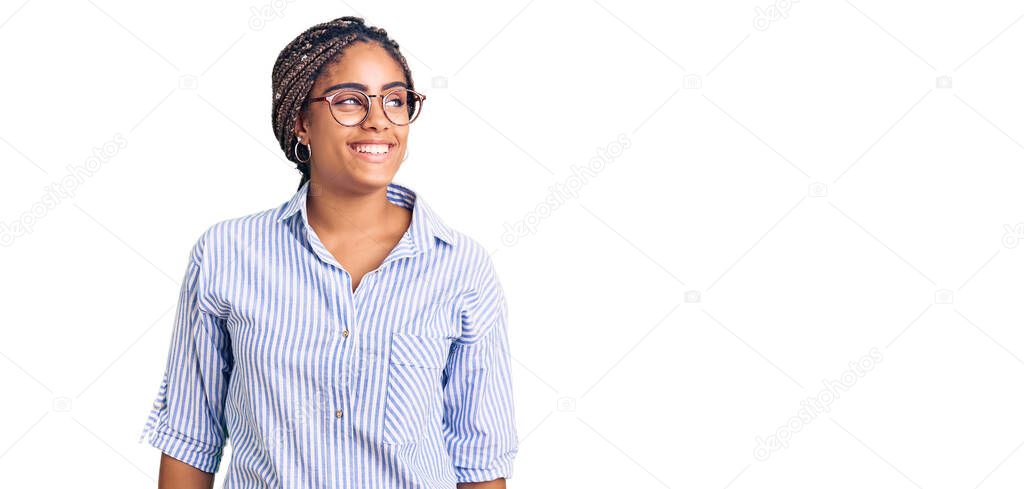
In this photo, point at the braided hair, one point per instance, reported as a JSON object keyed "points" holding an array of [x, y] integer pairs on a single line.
{"points": [[302, 60]]}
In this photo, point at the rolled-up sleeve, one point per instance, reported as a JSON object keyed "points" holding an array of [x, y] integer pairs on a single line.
{"points": [[479, 415], [187, 417]]}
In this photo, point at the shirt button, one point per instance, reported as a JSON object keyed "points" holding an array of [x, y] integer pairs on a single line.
{"points": [[344, 333], [337, 414]]}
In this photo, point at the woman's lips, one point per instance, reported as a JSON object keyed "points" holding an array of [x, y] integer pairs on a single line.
{"points": [[372, 152]]}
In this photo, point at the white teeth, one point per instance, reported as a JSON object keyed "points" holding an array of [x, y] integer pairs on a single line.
{"points": [[371, 148]]}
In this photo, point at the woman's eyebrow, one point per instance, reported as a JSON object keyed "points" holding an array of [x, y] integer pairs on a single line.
{"points": [[360, 86]]}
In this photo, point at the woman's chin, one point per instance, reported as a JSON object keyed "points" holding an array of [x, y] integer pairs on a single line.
{"points": [[374, 176]]}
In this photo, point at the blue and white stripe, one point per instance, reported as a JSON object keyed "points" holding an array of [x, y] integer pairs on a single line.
{"points": [[404, 383]]}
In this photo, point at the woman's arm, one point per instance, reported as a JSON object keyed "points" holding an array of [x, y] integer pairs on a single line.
{"points": [[495, 484], [175, 474], [187, 421], [479, 417]]}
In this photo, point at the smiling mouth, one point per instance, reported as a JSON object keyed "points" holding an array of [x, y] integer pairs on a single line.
{"points": [[374, 149]]}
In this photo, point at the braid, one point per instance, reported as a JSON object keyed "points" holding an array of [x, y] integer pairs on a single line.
{"points": [[302, 60]]}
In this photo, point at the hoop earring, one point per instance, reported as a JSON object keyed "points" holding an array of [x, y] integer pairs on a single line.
{"points": [[309, 149]]}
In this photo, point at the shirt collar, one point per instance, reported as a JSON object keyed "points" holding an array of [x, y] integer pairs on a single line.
{"points": [[425, 223]]}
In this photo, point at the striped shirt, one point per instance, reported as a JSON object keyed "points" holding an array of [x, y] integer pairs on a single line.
{"points": [[403, 383]]}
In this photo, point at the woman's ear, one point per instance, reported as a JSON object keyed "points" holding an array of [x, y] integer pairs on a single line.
{"points": [[300, 128]]}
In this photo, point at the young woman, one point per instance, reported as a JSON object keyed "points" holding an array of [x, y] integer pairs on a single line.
{"points": [[347, 338]]}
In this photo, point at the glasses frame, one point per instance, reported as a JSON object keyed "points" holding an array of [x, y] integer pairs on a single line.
{"points": [[330, 101]]}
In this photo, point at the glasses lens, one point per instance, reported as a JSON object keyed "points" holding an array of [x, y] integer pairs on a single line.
{"points": [[402, 106], [349, 107]]}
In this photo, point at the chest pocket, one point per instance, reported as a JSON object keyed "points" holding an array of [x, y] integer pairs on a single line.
{"points": [[414, 394]]}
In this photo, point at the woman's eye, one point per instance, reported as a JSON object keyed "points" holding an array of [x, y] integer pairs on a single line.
{"points": [[395, 103], [346, 101]]}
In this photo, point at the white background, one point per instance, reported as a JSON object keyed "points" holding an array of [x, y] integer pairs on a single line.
{"points": [[797, 192]]}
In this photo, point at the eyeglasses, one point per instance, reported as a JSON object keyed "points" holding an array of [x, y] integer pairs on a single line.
{"points": [[351, 107]]}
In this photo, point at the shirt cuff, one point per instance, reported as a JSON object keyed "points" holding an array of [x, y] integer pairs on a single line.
{"points": [[202, 456], [499, 469]]}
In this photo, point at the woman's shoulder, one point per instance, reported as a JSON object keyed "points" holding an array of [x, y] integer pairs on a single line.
{"points": [[236, 232], [475, 259]]}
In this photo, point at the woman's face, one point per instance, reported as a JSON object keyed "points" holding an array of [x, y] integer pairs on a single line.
{"points": [[338, 157]]}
